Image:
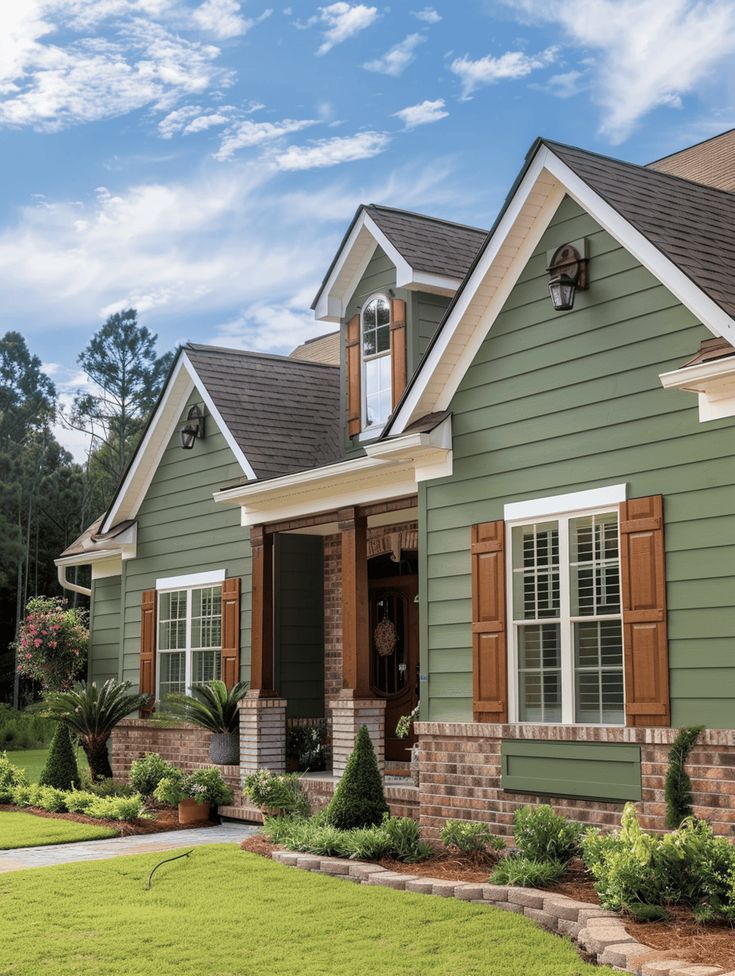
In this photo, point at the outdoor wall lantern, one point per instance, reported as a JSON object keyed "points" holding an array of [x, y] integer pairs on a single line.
{"points": [[568, 272], [193, 428]]}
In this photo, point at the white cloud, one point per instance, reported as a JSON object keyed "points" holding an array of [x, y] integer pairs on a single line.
{"points": [[511, 65], [342, 21], [332, 152], [203, 122], [223, 18], [428, 15], [395, 61], [423, 113], [177, 120], [271, 327], [651, 52], [566, 84], [247, 134]]}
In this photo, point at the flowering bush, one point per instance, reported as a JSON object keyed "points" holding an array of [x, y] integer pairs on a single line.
{"points": [[52, 643], [203, 785]]}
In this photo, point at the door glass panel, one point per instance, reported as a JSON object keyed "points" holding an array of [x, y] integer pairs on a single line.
{"points": [[388, 621]]}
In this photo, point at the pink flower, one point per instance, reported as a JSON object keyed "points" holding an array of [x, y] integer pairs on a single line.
{"points": [[37, 642], [32, 629], [44, 632], [53, 644], [28, 656], [24, 642], [56, 627]]}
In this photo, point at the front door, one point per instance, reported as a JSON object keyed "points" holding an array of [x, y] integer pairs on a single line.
{"points": [[394, 654]]}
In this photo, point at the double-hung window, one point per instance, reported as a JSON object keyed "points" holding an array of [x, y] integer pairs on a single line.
{"points": [[189, 637], [376, 362], [566, 639]]}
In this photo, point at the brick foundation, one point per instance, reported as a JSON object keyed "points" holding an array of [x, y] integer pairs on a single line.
{"points": [[403, 801], [460, 775], [186, 746], [348, 714], [262, 735]]}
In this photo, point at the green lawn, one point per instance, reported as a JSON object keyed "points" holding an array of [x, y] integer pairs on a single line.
{"points": [[27, 830], [33, 761], [223, 912]]}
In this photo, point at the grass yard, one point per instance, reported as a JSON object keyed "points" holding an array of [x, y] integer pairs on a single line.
{"points": [[33, 761], [27, 830], [224, 912]]}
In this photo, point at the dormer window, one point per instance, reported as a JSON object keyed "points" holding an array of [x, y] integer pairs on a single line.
{"points": [[376, 362]]}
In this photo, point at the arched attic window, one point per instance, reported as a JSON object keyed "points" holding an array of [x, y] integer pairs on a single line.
{"points": [[375, 322]]}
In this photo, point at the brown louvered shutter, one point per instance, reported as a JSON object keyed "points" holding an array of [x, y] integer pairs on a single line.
{"points": [[643, 567], [147, 679], [489, 659], [354, 397], [398, 352], [230, 669]]}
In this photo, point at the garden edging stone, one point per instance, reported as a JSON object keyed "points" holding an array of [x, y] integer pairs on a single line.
{"points": [[600, 932]]}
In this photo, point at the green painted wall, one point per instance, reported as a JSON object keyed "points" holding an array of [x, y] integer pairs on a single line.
{"points": [[299, 623], [181, 530], [593, 770], [561, 402], [104, 649], [426, 312]]}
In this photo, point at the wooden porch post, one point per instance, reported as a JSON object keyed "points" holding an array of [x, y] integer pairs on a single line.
{"points": [[355, 626], [261, 660]]}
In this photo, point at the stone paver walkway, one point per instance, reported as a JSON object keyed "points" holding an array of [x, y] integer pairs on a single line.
{"points": [[97, 850]]}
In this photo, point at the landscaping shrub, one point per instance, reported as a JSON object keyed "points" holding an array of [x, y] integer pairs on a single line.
{"points": [[306, 746], [470, 838], [106, 787], [678, 786], [51, 799], [359, 800], [61, 769], [78, 801], [23, 730], [277, 791], [404, 839], [52, 642], [203, 785], [542, 835], [11, 778], [147, 773], [116, 807], [526, 872]]}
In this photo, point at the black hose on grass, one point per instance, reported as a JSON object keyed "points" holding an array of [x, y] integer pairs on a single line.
{"points": [[166, 861]]}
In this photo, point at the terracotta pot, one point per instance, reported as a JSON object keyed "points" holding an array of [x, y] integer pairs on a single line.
{"points": [[191, 812]]}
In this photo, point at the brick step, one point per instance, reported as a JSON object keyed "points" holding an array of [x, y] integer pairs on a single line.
{"points": [[245, 812]]}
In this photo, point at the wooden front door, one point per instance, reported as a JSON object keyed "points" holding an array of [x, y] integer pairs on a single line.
{"points": [[394, 654]]}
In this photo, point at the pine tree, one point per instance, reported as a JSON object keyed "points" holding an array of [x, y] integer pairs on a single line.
{"points": [[61, 765], [359, 800]]}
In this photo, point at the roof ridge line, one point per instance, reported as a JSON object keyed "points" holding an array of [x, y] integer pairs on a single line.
{"points": [[694, 145], [194, 346], [422, 216]]}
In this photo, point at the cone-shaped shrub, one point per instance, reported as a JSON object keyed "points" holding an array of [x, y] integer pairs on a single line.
{"points": [[60, 770], [359, 800]]}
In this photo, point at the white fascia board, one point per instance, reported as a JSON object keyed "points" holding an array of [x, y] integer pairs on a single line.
{"points": [[701, 376], [131, 493], [436, 284], [88, 558], [105, 568], [404, 271], [440, 438], [191, 579], [546, 162], [575, 501]]}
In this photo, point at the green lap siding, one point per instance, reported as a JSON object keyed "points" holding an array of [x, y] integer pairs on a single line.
{"points": [[563, 402], [596, 771], [104, 649], [181, 531]]}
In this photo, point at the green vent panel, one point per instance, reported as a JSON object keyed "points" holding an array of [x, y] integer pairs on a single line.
{"points": [[592, 770]]}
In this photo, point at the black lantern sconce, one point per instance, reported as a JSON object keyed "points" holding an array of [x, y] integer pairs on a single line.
{"points": [[568, 272], [193, 428]]}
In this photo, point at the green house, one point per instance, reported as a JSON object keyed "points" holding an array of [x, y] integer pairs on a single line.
{"points": [[502, 489]]}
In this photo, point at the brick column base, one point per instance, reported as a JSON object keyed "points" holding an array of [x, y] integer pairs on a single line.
{"points": [[262, 735], [348, 714]]}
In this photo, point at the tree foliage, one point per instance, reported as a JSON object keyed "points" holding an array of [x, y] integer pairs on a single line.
{"points": [[61, 769], [359, 800], [678, 785]]}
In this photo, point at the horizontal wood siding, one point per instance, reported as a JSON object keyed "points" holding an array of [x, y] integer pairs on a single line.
{"points": [[181, 531], [556, 403], [104, 646], [427, 312]]}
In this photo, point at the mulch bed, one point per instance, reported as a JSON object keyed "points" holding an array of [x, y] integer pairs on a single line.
{"points": [[167, 818], [712, 945]]}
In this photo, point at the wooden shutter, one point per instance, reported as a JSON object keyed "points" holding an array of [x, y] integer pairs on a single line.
{"points": [[230, 661], [354, 396], [398, 352], [643, 567], [147, 679], [489, 657]]}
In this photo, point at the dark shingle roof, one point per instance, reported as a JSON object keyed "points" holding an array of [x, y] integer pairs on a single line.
{"points": [[692, 224], [711, 161], [283, 413], [428, 243]]}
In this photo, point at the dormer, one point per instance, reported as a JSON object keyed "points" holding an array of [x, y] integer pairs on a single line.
{"points": [[388, 286]]}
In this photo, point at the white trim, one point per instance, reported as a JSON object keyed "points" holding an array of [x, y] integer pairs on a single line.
{"points": [[65, 584], [131, 493], [713, 382], [591, 498], [373, 430], [404, 271], [105, 568], [436, 284], [188, 650], [544, 183], [191, 580]]}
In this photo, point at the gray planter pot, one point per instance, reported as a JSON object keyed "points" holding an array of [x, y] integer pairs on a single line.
{"points": [[224, 748]]}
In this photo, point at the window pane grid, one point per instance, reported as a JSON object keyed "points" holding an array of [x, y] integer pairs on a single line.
{"points": [[189, 638]]}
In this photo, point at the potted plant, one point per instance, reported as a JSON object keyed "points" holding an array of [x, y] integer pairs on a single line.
{"points": [[212, 706], [276, 793], [403, 730], [306, 747], [194, 793]]}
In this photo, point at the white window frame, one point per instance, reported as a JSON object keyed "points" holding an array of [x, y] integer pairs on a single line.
{"points": [[195, 581], [364, 427], [547, 510]]}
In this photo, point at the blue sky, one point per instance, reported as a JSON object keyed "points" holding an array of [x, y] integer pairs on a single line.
{"points": [[200, 160]]}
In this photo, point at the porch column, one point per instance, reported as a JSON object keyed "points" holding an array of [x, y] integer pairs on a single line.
{"points": [[356, 704], [262, 713]]}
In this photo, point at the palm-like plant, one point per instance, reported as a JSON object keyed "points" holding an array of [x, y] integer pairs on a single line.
{"points": [[91, 713], [213, 706]]}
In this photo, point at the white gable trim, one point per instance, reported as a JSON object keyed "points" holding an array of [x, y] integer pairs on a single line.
{"points": [[527, 216], [148, 456]]}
